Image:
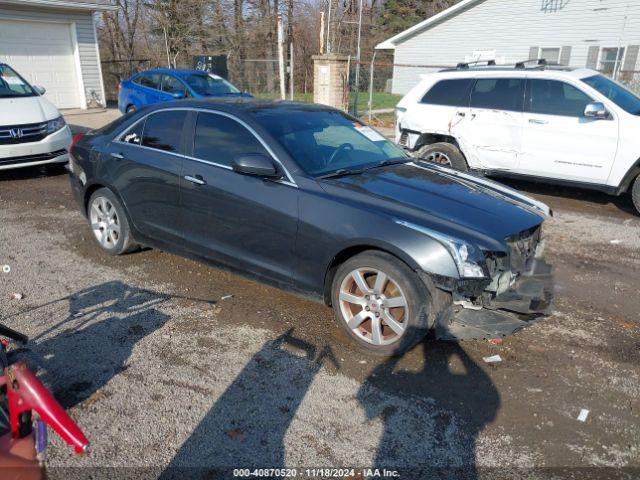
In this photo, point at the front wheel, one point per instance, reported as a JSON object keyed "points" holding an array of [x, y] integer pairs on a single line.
{"points": [[381, 303], [635, 193], [442, 153]]}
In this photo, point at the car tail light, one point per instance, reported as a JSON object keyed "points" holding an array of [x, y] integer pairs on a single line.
{"points": [[75, 140]]}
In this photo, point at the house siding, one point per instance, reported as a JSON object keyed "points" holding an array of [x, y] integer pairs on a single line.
{"points": [[512, 28], [85, 37]]}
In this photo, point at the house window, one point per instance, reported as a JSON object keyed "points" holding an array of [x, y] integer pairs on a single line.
{"points": [[611, 60], [551, 55]]}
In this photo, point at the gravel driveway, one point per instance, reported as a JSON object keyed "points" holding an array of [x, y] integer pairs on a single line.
{"points": [[168, 363]]}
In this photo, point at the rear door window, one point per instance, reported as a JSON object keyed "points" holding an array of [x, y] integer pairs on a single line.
{"points": [[220, 139], [163, 130], [150, 80], [134, 134], [453, 93], [553, 97], [498, 94]]}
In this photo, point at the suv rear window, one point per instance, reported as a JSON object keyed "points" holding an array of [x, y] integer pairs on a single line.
{"points": [[453, 93], [498, 94]]}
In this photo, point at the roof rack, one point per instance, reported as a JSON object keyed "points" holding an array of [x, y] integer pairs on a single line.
{"points": [[465, 65], [539, 62]]}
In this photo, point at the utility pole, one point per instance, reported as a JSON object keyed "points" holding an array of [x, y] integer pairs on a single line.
{"points": [[355, 106], [321, 33], [329, 29], [283, 90], [291, 71]]}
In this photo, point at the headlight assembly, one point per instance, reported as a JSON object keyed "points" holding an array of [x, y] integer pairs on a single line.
{"points": [[468, 258], [55, 125]]}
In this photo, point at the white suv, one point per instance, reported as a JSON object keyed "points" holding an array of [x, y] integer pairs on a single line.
{"points": [[32, 131], [569, 126]]}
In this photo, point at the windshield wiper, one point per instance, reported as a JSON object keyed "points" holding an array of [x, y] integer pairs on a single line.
{"points": [[354, 171], [339, 173]]}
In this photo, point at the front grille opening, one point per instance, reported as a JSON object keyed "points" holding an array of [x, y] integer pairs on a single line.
{"points": [[32, 158]]}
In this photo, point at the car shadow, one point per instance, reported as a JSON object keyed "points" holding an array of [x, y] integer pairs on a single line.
{"points": [[622, 202], [452, 399], [28, 173], [431, 416], [81, 353], [247, 424]]}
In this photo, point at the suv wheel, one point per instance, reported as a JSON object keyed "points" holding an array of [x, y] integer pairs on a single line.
{"points": [[109, 223], [442, 153], [381, 303], [635, 193]]}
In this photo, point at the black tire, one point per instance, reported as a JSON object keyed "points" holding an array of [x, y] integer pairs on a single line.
{"points": [[131, 108], [416, 318], [124, 242], [442, 153], [635, 193]]}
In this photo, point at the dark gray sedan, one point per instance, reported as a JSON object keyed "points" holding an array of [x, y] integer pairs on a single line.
{"points": [[312, 200]]}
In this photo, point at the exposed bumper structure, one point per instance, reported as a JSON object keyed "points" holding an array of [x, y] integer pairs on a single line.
{"points": [[518, 293], [527, 301]]}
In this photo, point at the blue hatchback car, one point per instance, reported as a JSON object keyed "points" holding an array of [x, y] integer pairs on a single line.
{"points": [[162, 85]]}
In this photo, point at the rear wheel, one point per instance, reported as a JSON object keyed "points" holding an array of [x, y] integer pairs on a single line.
{"points": [[635, 193], [442, 153], [109, 223], [381, 303]]}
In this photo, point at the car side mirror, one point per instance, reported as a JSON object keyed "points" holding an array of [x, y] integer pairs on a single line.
{"points": [[179, 95], [40, 90], [256, 164], [596, 110]]}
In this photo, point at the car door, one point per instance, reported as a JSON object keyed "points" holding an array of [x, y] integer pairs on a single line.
{"points": [[145, 167], [559, 141], [490, 130], [244, 221]]}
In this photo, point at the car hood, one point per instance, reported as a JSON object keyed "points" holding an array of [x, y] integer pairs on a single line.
{"points": [[18, 111], [460, 205]]}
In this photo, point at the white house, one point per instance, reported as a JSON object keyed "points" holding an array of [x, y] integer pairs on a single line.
{"points": [[53, 43], [598, 34]]}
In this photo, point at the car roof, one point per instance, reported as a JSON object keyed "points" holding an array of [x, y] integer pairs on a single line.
{"points": [[506, 70], [174, 71], [242, 104]]}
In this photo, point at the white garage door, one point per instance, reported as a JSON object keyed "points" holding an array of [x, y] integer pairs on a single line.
{"points": [[43, 53]]}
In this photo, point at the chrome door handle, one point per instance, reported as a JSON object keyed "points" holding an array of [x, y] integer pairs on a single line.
{"points": [[117, 156], [197, 180], [538, 122]]}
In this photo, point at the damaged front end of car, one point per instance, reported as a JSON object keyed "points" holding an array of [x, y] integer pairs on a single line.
{"points": [[513, 290]]}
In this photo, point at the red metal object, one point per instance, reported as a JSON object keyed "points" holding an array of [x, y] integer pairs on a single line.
{"points": [[75, 140], [26, 393]]}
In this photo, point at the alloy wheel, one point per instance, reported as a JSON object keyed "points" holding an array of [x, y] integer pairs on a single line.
{"points": [[105, 222], [439, 158], [373, 306]]}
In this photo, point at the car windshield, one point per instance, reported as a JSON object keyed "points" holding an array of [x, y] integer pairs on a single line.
{"points": [[13, 85], [210, 85], [328, 141], [614, 92]]}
